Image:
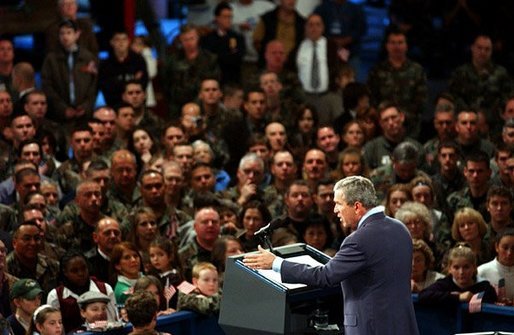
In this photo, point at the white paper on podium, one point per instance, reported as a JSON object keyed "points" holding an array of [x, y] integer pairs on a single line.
{"points": [[275, 276]]}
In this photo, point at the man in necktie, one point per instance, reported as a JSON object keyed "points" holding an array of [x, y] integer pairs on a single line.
{"points": [[315, 58]]}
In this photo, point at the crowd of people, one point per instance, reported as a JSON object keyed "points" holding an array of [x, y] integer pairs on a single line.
{"points": [[253, 118]]}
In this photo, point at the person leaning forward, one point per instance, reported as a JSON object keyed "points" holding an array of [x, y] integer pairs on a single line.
{"points": [[373, 264]]}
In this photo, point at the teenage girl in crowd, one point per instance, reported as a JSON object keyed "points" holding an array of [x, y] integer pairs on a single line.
{"points": [[460, 284], [500, 271]]}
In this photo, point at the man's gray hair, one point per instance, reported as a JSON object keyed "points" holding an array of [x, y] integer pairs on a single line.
{"points": [[250, 157], [199, 143], [357, 188]]}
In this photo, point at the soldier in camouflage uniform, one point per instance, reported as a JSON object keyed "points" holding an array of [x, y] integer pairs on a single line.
{"points": [[377, 152], [481, 83], [217, 117], [107, 116], [78, 232], [477, 173], [99, 172], [444, 124], [402, 169], [26, 261], [26, 180], [283, 170], [400, 80], [207, 226], [281, 103], [22, 129], [124, 183], [184, 70], [153, 196], [69, 173], [468, 137], [34, 213], [249, 177]]}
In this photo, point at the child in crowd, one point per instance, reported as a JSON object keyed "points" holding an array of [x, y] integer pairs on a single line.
{"points": [[142, 311], [26, 296], [461, 284], [76, 281], [47, 320], [153, 285], [500, 271], [206, 298], [166, 265], [93, 310]]}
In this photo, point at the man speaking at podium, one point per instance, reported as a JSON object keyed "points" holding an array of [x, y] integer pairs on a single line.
{"points": [[373, 265]]}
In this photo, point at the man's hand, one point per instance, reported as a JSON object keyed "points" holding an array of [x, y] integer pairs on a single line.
{"points": [[261, 260]]}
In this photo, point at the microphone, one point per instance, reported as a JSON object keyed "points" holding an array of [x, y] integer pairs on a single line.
{"points": [[274, 224]]}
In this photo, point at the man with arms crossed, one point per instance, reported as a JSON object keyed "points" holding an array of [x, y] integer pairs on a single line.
{"points": [[373, 264]]}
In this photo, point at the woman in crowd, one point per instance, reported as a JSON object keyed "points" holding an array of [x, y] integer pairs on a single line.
{"points": [[126, 266], [353, 135], [143, 145], [469, 226], [396, 196], [252, 217], [351, 163], [416, 217], [422, 191], [307, 122], [143, 229], [422, 264], [317, 234]]}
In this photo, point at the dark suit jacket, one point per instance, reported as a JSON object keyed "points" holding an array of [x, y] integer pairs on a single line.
{"points": [[373, 267]]}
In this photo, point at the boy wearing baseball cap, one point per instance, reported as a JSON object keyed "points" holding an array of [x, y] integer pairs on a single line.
{"points": [[26, 296]]}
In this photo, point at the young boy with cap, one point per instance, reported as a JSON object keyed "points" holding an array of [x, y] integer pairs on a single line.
{"points": [[26, 296], [93, 309]]}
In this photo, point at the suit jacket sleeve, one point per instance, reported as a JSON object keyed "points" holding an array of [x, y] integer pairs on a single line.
{"points": [[348, 260]]}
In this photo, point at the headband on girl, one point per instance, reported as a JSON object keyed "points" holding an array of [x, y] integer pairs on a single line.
{"points": [[39, 309]]}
